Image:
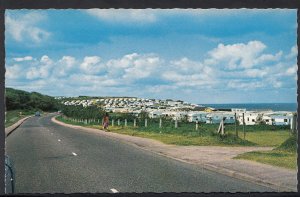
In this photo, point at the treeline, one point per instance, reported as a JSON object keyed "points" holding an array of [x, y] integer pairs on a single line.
{"points": [[80, 112], [94, 112], [22, 100]]}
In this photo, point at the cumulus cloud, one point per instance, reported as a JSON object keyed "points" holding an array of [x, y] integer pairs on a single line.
{"points": [[185, 72], [65, 65], [24, 26], [240, 84], [235, 56], [13, 72], [293, 53], [292, 70], [124, 15], [251, 69], [41, 69], [21, 59], [91, 64], [134, 66]]}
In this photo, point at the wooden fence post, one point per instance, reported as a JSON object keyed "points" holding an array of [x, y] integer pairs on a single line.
{"points": [[118, 122], [235, 124], [294, 123], [112, 122], [160, 123], [125, 122], [196, 124], [146, 123], [176, 123], [244, 126]]}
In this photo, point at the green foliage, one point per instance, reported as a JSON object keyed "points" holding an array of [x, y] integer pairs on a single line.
{"points": [[19, 99], [15, 115], [122, 116], [80, 112], [143, 115]]}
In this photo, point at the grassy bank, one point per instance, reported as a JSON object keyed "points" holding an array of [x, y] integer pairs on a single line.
{"points": [[285, 155], [14, 116], [186, 134]]}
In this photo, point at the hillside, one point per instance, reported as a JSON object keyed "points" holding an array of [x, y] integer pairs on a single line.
{"points": [[19, 99]]}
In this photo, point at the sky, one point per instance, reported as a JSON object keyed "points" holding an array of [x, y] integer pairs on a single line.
{"points": [[195, 55]]}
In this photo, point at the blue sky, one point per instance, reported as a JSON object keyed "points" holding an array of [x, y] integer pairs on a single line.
{"points": [[200, 56]]}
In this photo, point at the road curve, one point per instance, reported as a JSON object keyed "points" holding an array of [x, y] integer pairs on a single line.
{"points": [[50, 158]]}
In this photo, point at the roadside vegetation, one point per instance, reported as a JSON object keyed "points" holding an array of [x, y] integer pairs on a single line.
{"points": [[285, 155], [14, 116], [20, 104], [186, 133]]}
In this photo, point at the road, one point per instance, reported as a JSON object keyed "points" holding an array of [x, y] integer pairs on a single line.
{"points": [[49, 158]]}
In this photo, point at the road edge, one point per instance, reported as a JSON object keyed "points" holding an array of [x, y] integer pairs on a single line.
{"points": [[10, 129], [224, 171]]}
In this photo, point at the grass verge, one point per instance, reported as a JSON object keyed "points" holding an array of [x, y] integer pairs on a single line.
{"points": [[274, 157], [284, 155], [15, 115], [191, 137]]}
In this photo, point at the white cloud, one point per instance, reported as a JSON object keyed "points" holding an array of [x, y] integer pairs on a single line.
{"points": [[42, 69], [142, 66], [255, 73], [20, 59], [136, 71], [13, 72], [236, 55], [91, 64], [144, 16], [293, 53], [239, 84], [65, 65], [124, 15], [268, 57], [22, 27], [292, 70], [133, 66]]}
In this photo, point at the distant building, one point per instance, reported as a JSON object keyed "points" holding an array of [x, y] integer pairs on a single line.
{"points": [[213, 118], [250, 118]]}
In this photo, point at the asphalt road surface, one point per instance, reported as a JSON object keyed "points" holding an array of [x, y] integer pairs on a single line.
{"points": [[49, 158]]}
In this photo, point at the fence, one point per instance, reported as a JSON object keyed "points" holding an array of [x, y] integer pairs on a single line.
{"points": [[174, 126], [137, 122]]}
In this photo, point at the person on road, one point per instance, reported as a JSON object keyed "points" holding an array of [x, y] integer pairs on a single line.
{"points": [[105, 122]]}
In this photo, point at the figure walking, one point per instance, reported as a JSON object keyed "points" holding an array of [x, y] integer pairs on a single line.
{"points": [[105, 122]]}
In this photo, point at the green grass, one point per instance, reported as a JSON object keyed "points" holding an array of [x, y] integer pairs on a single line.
{"points": [[289, 145], [274, 157], [267, 138], [14, 116], [187, 135], [285, 155]]}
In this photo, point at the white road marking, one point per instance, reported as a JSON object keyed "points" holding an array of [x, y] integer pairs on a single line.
{"points": [[114, 190], [59, 140], [74, 154]]}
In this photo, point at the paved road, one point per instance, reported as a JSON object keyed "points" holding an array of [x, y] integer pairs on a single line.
{"points": [[49, 158]]}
